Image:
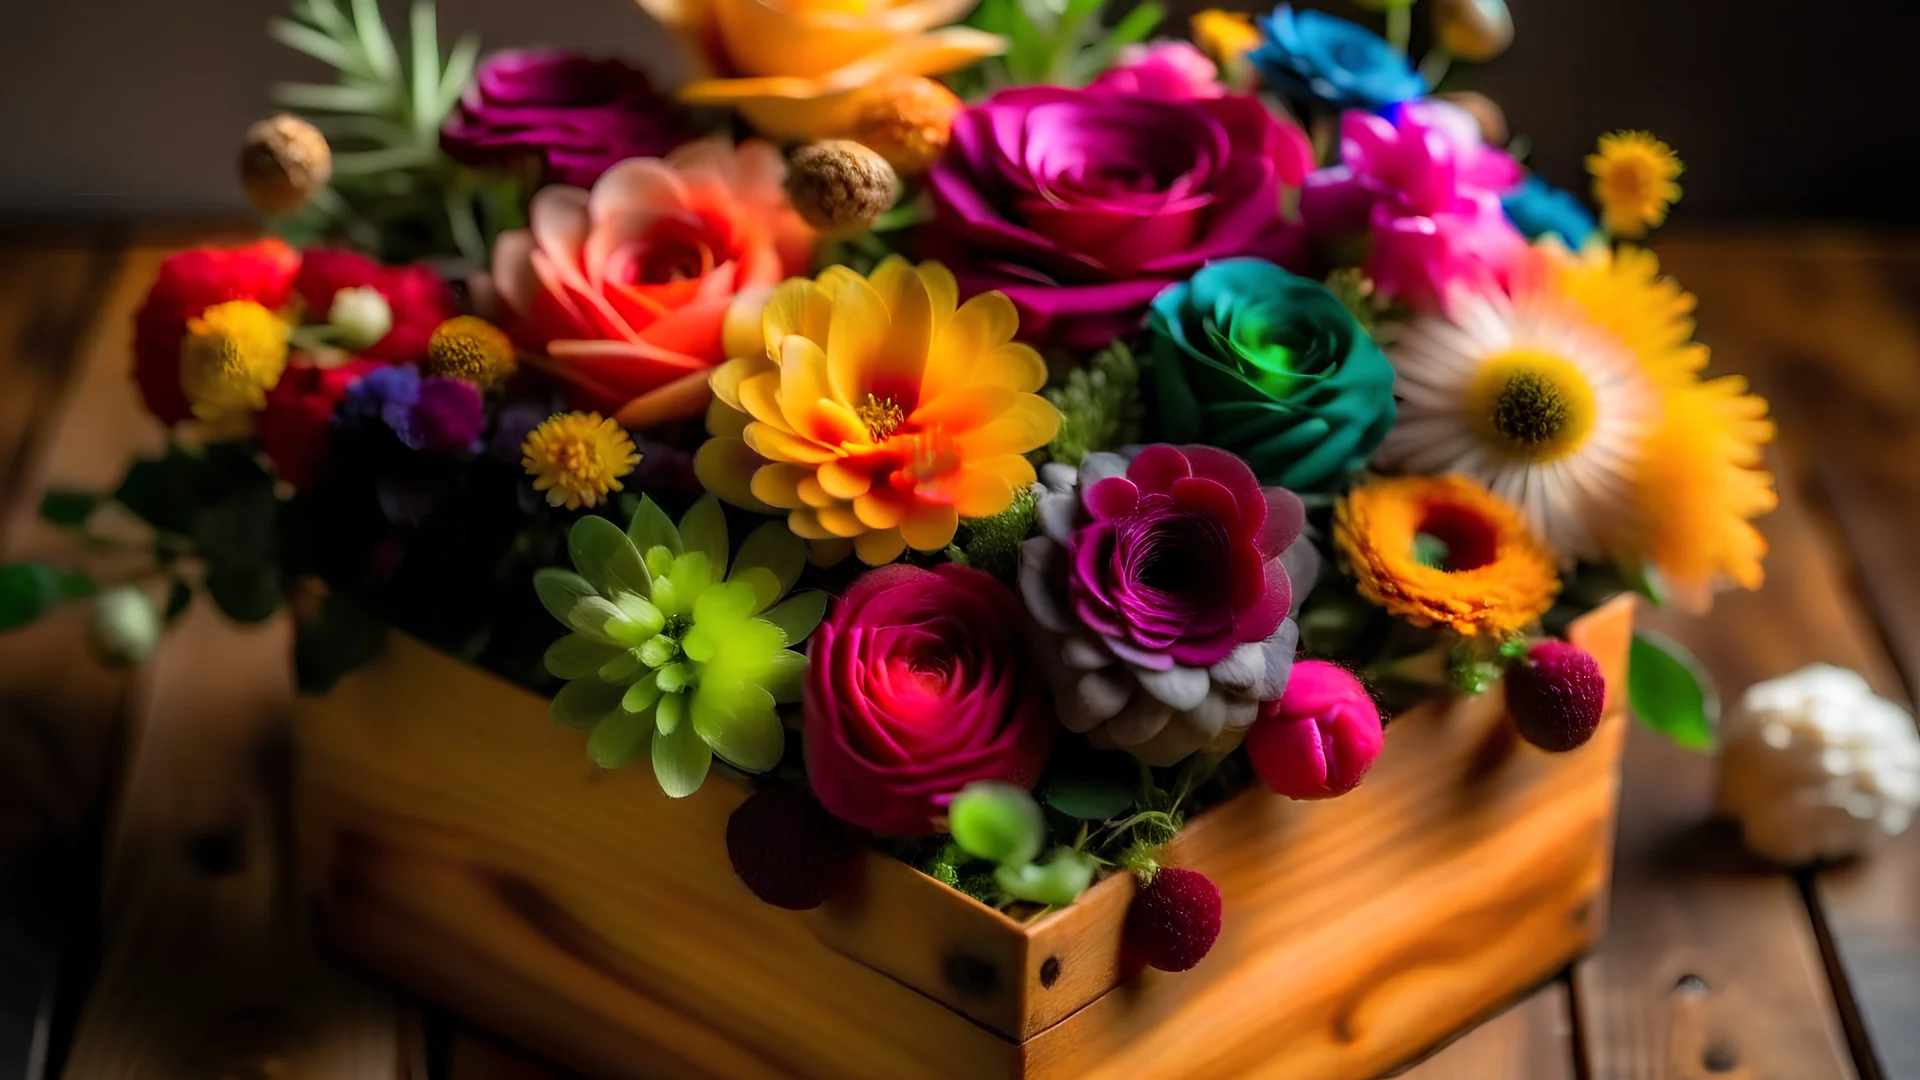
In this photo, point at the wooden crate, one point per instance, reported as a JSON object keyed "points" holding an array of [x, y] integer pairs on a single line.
{"points": [[458, 842]]}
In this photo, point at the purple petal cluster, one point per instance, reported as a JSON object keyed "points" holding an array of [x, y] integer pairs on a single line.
{"points": [[436, 415]]}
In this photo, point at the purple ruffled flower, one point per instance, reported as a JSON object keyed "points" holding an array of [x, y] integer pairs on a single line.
{"points": [[1166, 585], [1081, 205], [577, 115], [443, 416]]}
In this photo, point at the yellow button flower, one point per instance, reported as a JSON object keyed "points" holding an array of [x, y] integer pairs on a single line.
{"points": [[878, 411], [1635, 179], [577, 458], [791, 67], [233, 353]]}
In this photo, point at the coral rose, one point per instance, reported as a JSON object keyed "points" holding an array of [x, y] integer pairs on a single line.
{"points": [[917, 685], [626, 289], [189, 283], [792, 67]]}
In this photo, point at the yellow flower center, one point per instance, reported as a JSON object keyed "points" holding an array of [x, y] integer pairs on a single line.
{"points": [[470, 349], [1533, 405], [883, 417], [233, 353]]}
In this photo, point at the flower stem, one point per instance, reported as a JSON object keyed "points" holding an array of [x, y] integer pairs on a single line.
{"points": [[1400, 26]]}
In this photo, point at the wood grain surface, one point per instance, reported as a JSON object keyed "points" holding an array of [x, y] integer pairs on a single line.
{"points": [[1713, 966]]}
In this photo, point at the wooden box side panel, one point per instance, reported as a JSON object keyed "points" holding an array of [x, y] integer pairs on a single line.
{"points": [[460, 843]]}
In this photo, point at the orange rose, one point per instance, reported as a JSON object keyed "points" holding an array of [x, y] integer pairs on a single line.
{"points": [[627, 289], [791, 66]]}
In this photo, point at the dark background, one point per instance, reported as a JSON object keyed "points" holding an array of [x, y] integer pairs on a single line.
{"points": [[1782, 110]]}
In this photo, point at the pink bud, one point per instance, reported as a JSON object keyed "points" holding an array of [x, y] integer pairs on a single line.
{"points": [[1318, 739]]}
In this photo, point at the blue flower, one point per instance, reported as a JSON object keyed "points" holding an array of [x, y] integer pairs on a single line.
{"points": [[1537, 208], [1317, 57]]}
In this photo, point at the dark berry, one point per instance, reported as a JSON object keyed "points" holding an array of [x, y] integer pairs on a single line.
{"points": [[787, 849], [1173, 922], [1556, 694]]}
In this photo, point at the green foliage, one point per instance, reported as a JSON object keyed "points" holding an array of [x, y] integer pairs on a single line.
{"points": [[393, 191], [340, 634], [678, 653], [1057, 42], [1670, 692], [1354, 289], [997, 822], [1099, 406], [29, 590], [1092, 785], [993, 544], [1058, 881], [66, 507]]}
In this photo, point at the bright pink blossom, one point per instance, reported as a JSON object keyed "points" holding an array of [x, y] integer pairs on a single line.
{"points": [[1173, 70], [1319, 738]]}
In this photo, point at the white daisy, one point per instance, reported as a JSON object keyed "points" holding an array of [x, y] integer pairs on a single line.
{"points": [[1528, 396]]}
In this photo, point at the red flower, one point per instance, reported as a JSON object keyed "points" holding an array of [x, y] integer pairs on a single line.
{"points": [[188, 284], [420, 298], [296, 428], [919, 684]]}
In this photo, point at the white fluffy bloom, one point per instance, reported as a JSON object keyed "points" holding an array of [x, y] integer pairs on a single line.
{"points": [[1816, 766]]}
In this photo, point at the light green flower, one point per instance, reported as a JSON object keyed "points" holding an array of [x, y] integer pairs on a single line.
{"points": [[674, 651]]}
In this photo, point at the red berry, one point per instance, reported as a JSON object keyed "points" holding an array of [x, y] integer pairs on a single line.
{"points": [[1173, 922], [787, 850], [1556, 695]]}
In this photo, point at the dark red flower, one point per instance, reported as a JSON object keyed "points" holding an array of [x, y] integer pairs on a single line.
{"points": [[787, 850], [189, 283], [1172, 923], [296, 428], [1557, 695], [420, 299]]}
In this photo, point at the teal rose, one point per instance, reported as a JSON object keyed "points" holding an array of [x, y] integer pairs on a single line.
{"points": [[1271, 366]]}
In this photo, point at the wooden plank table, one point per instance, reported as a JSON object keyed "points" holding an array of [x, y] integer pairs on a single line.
{"points": [[1715, 964]]}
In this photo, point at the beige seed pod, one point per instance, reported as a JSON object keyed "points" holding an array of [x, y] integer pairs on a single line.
{"points": [[840, 186], [285, 160], [1476, 30]]}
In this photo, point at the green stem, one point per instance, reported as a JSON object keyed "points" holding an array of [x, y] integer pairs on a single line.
{"points": [[1400, 26], [1434, 66]]}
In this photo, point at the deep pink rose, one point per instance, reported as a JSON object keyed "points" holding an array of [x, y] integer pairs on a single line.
{"points": [[576, 115], [1165, 69], [1427, 189], [1319, 738], [918, 684], [1081, 205], [419, 297]]}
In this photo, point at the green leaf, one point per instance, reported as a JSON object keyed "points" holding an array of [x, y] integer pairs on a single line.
{"points": [[750, 738], [997, 822], [425, 40], [774, 548], [787, 677], [583, 703], [346, 633], [374, 41], [458, 70], [66, 507], [577, 656], [160, 491], [607, 558], [27, 591], [319, 45], [704, 528], [237, 532], [1057, 882], [245, 594], [560, 590], [618, 740], [1093, 785], [798, 615], [346, 99], [680, 761], [179, 595], [652, 528], [1670, 692]]}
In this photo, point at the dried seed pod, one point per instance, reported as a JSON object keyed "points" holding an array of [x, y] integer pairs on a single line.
{"points": [[285, 160], [840, 186], [1476, 30]]}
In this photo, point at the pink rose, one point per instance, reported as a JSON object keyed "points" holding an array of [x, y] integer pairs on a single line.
{"points": [[1428, 190], [1319, 738], [918, 684], [1174, 70]]}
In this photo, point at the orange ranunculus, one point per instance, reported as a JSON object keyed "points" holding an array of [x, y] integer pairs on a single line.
{"points": [[791, 66], [626, 289]]}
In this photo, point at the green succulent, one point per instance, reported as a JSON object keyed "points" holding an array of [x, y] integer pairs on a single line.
{"points": [[672, 649]]}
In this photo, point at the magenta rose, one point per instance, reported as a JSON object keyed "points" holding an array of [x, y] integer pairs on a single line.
{"points": [[917, 685], [576, 115], [1081, 205]]}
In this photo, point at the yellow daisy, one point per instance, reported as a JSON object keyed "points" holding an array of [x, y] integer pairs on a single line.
{"points": [[1701, 485], [1635, 179], [233, 353], [577, 458]]}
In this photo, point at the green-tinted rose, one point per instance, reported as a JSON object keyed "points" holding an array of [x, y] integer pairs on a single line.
{"points": [[1269, 365]]}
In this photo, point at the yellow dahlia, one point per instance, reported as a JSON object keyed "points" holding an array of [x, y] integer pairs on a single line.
{"points": [[577, 458], [1636, 177], [878, 411], [1701, 485], [1443, 550], [233, 353]]}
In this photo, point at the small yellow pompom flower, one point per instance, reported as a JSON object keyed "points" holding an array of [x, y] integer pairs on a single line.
{"points": [[233, 353], [577, 458], [471, 349], [1635, 179], [1227, 37]]}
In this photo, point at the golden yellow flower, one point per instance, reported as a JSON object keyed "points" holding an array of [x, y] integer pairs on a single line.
{"points": [[472, 349], [1623, 291], [878, 411], [792, 67], [577, 458], [1227, 37], [233, 353], [1635, 179], [1445, 551], [1700, 485]]}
